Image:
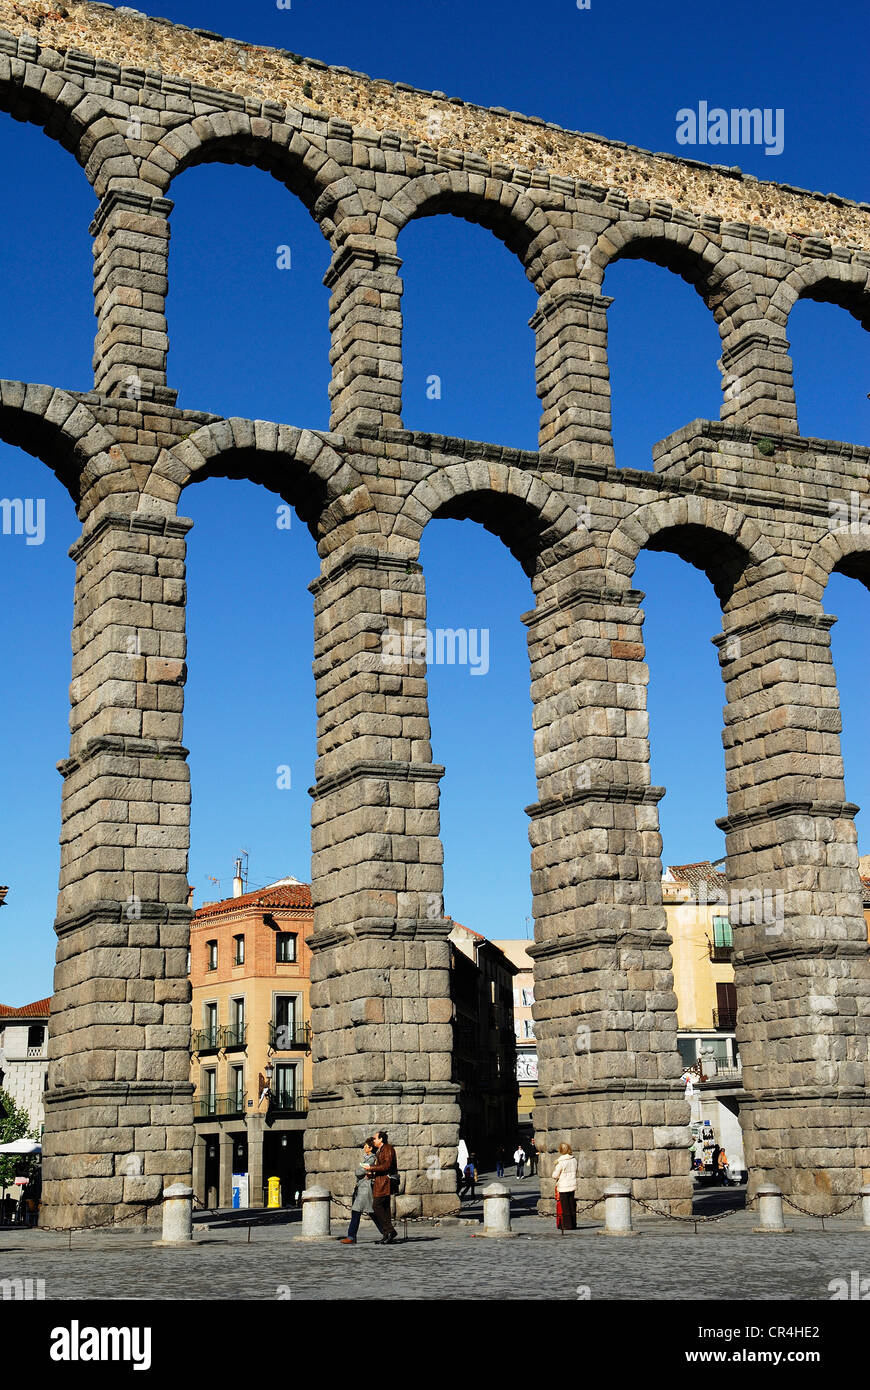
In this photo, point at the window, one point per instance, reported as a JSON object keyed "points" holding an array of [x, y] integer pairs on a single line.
{"points": [[528, 998], [237, 1022], [722, 933], [285, 1086], [238, 950], [285, 1022], [285, 947], [211, 1023], [211, 955], [725, 1017], [528, 1028], [237, 1087], [35, 1036], [209, 1089]]}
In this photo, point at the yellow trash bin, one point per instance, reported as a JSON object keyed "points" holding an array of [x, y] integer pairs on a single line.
{"points": [[274, 1198]]}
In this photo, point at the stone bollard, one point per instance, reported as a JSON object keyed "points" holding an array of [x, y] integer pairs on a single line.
{"points": [[496, 1211], [865, 1206], [770, 1211], [315, 1214], [177, 1214], [617, 1210]]}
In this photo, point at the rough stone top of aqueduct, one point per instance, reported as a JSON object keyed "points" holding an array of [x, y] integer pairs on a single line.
{"points": [[136, 43]]}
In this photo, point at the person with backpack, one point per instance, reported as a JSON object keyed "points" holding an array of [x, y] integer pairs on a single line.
{"points": [[384, 1177]]}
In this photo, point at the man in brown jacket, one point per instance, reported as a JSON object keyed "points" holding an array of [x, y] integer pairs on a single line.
{"points": [[384, 1165]]}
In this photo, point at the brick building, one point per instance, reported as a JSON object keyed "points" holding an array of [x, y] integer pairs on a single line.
{"points": [[24, 1056], [250, 976]]}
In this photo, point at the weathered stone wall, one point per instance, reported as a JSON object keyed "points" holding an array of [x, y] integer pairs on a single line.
{"points": [[746, 499]]}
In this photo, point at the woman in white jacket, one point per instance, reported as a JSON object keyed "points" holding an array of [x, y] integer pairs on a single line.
{"points": [[565, 1179]]}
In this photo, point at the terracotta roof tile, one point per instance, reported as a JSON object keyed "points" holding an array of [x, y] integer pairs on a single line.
{"points": [[39, 1009], [272, 895], [693, 875]]}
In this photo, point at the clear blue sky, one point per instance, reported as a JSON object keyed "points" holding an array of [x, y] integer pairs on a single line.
{"points": [[250, 339]]}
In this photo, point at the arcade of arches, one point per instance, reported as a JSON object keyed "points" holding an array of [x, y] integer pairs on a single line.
{"points": [[745, 498]]}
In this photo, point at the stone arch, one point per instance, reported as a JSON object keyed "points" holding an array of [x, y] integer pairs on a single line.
{"points": [[518, 507], [232, 137], [838, 552], [514, 218], [325, 490], [713, 273], [58, 429], [832, 282], [78, 120], [715, 538]]}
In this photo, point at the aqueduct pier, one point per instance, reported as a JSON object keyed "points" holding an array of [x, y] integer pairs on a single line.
{"points": [[745, 498]]}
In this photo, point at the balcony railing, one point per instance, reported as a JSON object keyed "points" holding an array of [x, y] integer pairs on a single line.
{"points": [[293, 1102], [725, 1020], [290, 1037], [205, 1107], [721, 953], [35, 1053], [206, 1039], [215, 1039]]}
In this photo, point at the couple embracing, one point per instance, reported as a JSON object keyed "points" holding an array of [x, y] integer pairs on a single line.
{"points": [[377, 1180]]}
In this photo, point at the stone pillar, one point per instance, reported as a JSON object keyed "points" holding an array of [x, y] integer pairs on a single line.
{"points": [[131, 248], [758, 382], [801, 960], [199, 1143], [254, 1126], [572, 375], [380, 991], [119, 1047], [365, 321], [605, 1010], [226, 1161]]}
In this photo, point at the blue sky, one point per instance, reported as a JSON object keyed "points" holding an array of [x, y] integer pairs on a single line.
{"points": [[250, 339]]}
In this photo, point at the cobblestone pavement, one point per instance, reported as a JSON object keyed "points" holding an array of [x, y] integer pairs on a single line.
{"points": [[237, 1260]]}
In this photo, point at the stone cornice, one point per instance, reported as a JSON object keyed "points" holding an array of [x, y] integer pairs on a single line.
{"points": [[594, 937], [833, 810], [131, 523], [610, 792], [107, 911], [121, 746]]}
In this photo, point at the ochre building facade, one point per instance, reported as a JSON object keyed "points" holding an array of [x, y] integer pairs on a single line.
{"points": [[744, 498]]}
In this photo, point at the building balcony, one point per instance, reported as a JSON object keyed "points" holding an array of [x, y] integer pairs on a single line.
{"points": [[235, 1036], [215, 1107], [724, 1020], [205, 1040], [293, 1102], [36, 1054], [290, 1037], [721, 953]]}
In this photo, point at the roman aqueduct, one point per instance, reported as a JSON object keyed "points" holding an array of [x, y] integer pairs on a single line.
{"points": [[744, 498]]}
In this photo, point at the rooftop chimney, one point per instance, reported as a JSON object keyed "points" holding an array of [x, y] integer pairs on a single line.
{"points": [[238, 886]]}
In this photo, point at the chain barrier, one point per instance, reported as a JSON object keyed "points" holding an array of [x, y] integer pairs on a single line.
{"points": [[693, 1220], [100, 1225], [821, 1215]]}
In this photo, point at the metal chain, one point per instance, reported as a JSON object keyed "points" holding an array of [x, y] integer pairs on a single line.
{"points": [[99, 1225], [693, 1220], [821, 1215]]}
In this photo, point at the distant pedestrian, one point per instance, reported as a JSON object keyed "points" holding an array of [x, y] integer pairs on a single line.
{"points": [[468, 1177], [565, 1179], [520, 1161], [362, 1203], [384, 1177], [499, 1161], [714, 1162], [723, 1175], [533, 1158]]}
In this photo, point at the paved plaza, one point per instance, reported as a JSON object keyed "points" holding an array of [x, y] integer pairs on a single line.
{"points": [[251, 1256]]}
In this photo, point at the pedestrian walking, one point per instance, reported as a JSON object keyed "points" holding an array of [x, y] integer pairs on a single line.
{"points": [[362, 1203], [499, 1161], [468, 1177], [565, 1179], [520, 1161], [533, 1158], [384, 1177], [723, 1175]]}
